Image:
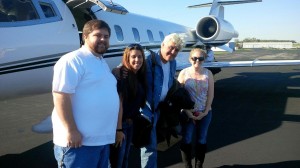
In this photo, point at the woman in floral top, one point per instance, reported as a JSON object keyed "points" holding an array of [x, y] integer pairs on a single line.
{"points": [[200, 84]]}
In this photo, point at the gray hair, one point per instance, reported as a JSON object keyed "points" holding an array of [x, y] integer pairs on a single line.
{"points": [[175, 38]]}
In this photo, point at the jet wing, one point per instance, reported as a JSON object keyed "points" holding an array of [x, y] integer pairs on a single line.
{"points": [[254, 63]]}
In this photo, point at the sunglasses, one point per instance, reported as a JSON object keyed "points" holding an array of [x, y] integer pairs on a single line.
{"points": [[135, 45], [197, 58]]}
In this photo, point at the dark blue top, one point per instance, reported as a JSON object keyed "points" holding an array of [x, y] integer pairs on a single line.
{"points": [[130, 106]]}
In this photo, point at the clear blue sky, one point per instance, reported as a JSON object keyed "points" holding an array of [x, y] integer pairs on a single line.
{"points": [[266, 20]]}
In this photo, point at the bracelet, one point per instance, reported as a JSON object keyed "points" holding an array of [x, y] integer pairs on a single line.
{"points": [[119, 130]]}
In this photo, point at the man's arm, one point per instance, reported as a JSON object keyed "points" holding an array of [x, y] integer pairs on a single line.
{"points": [[63, 107], [120, 136]]}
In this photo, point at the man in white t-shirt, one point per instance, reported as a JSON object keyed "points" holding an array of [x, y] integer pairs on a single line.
{"points": [[86, 102]]}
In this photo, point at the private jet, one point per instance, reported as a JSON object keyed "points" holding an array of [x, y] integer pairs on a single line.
{"points": [[36, 33]]}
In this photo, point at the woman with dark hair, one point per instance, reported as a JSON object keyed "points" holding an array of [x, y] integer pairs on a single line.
{"points": [[132, 87]]}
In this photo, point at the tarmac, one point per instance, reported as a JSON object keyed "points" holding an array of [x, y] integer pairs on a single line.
{"points": [[256, 121]]}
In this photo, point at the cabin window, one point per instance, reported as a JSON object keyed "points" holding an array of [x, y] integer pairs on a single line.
{"points": [[119, 33], [16, 10], [162, 36], [48, 10], [150, 35], [15, 13], [136, 34]]}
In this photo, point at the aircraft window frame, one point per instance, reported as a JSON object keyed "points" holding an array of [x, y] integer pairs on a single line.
{"points": [[136, 34], [150, 35], [41, 16], [48, 12], [119, 33], [16, 10], [162, 35]]}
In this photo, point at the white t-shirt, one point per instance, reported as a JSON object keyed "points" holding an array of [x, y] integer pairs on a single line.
{"points": [[165, 88], [94, 97]]}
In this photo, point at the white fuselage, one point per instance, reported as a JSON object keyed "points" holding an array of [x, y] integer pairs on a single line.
{"points": [[29, 50]]}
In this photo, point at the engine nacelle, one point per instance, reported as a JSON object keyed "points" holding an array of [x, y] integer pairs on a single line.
{"points": [[215, 31]]}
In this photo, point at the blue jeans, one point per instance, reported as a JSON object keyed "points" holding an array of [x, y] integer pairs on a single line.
{"points": [[119, 156], [149, 153], [85, 156], [201, 127]]}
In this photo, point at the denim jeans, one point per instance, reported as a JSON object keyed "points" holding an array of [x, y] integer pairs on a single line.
{"points": [[85, 156], [119, 156], [201, 127], [149, 153]]}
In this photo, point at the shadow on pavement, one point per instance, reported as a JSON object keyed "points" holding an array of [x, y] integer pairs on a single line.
{"points": [[286, 164], [251, 104], [41, 156]]}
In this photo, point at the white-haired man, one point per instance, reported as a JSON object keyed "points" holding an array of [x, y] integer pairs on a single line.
{"points": [[161, 79]]}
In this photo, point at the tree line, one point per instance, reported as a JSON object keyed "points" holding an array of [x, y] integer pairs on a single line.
{"points": [[260, 40]]}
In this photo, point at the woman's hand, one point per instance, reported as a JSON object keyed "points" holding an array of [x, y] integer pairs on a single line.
{"points": [[189, 113], [199, 115]]}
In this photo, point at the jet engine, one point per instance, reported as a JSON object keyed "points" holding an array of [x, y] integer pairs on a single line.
{"points": [[215, 31]]}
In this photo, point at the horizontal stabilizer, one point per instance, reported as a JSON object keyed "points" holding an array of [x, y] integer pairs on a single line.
{"points": [[223, 3], [200, 5], [237, 2]]}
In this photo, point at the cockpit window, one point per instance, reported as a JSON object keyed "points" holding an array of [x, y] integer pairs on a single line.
{"points": [[47, 10], [15, 13], [17, 10]]}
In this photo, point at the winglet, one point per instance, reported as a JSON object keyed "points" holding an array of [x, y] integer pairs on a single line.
{"points": [[45, 126]]}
